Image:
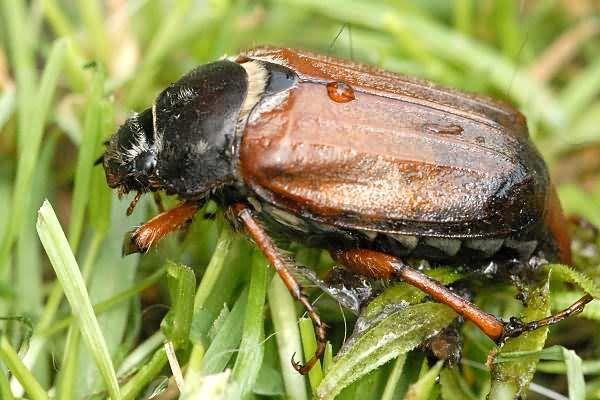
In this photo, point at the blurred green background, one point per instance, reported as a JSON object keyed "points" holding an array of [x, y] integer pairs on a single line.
{"points": [[72, 71]]}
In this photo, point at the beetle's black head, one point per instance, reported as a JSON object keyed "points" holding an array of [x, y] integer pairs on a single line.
{"points": [[131, 155], [185, 143]]}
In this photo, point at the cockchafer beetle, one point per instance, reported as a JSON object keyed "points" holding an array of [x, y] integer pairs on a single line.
{"points": [[368, 164]]}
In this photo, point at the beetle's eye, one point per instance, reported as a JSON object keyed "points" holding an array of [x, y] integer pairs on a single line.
{"points": [[145, 162]]}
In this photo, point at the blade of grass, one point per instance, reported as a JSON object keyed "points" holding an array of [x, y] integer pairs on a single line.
{"points": [[21, 48], [32, 140], [92, 14], [510, 379], [214, 269], [7, 106], [91, 138], [393, 378], [454, 386], [177, 322], [110, 274], [149, 371], [250, 355], [10, 358], [165, 37], [57, 19], [309, 346], [28, 273], [67, 272], [580, 91], [140, 353], [5, 392], [227, 340], [574, 375], [382, 342], [67, 375], [423, 388], [108, 304], [463, 15], [283, 313]]}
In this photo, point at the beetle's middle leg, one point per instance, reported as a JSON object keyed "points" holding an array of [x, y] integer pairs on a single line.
{"points": [[254, 229]]}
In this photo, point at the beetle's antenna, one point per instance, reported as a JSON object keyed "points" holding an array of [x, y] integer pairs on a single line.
{"points": [[134, 202]]}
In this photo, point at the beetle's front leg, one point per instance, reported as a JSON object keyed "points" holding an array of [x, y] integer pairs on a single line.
{"points": [[253, 228], [158, 227]]}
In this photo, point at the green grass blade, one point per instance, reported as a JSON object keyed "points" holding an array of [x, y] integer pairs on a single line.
{"points": [[67, 377], [454, 386], [214, 269], [7, 106], [177, 322], [92, 14], [574, 375], [33, 137], [140, 353], [570, 275], [57, 18], [165, 37], [580, 92], [107, 304], [383, 342], [309, 346], [92, 134], [5, 392], [510, 379], [226, 342], [423, 388], [10, 358], [393, 378], [21, 46], [283, 313], [131, 390], [250, 355], [67, 272]]}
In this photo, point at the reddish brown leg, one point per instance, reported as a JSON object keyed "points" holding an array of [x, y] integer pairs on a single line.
{"points": [[515, 327], [281, 265], [158, 227], [381, 265]]}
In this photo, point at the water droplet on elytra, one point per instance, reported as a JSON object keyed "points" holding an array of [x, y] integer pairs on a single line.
{"points": [[340, 92]]}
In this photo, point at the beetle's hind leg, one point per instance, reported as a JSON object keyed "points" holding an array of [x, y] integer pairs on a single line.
{"points": [[381, 265], [253, 228]]}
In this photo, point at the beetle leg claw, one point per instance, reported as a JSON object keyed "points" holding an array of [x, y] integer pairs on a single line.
{"points": [[515, 327]]}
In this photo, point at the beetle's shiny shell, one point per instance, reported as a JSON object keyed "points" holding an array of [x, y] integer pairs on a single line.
{"points": [[402, 157]]}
